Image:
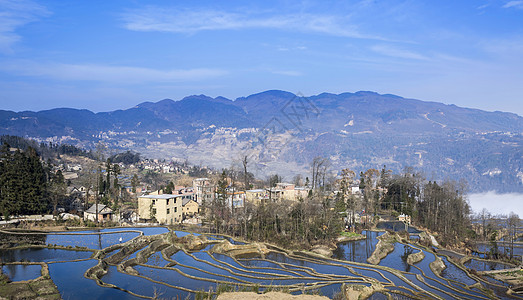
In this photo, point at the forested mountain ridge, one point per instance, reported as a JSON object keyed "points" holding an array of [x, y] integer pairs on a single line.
{"points": [[283, 132]]}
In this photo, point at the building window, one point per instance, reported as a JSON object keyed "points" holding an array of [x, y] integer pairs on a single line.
{"points": [[154, 202], [167, 201], [168, 211], [175, 209]]}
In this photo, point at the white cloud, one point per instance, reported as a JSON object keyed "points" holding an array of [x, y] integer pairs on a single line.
{"points": [[120, 74], [15, 14], [153, 18], [514, 4], [397, 52]]}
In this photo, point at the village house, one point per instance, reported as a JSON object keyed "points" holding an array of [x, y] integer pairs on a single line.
{"points": [[301, 192], [203, 190], [104, 213], [76, 205], [164, 208], [190, 208], [256, 196], [288, 192], [236, 199]]}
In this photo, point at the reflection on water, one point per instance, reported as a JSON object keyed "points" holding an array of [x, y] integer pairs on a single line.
{"points": [[201, 270], [360, 250], [100, 238], [397, 226], [42, 255], [70, 280], [455, 273], [22, 272], [95, 241], [485, 265], [503, 248], [397, 259]]}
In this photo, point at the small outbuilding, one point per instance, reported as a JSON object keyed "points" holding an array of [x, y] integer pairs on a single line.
{"points": [[104, 213]]}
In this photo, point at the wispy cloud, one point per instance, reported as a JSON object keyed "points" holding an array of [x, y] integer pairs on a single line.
{"points": [[504, 49], [392, 51], [482, 6], [173, 20], [15, 14], [283, 48], [104, 73], [514, 4]]}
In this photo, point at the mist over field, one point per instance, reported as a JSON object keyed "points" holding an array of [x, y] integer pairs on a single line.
{"points": [[497, 203]]}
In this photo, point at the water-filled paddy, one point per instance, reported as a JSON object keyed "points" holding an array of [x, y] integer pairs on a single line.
{"points": [[69, 278], [100, 238], [185, 272], [95, 241], [360, 250], [485, 265], [22, 272], [397, 259], [42, 255]]}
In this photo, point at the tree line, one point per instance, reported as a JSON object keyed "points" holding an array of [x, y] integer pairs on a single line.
{"points": [[335, 202], [308, 221], [45, 150], [28, 185]]}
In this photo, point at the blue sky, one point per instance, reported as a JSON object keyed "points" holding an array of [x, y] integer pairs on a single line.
{"points": [[107, 55]]}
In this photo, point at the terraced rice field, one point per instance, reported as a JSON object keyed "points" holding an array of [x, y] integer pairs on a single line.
{"points": [[150, 262]]}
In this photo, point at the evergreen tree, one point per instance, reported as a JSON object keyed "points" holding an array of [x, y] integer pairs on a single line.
{"points": [[134, 182], [23, 183], [57, 189], [169, 188]]}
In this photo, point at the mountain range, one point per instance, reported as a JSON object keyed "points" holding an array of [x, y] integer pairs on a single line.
{"points": [[282, 132]]}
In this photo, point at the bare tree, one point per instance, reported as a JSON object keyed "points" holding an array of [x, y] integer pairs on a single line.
{"points": [[319, 168], [513, 223], [298, 180], [245, 173], [344, 184], [368, 185], [484, 216]]}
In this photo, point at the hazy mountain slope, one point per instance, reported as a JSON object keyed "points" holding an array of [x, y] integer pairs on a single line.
{"points": [[282, 133]]}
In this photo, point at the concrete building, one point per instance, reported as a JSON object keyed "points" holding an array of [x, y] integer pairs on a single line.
{"points": [[165, 208], [204, 190], [285, 186], [256, 196], [235, 198], [288, 191]]}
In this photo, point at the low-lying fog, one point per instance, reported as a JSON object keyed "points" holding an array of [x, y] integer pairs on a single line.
{"points": [[497, 203]]}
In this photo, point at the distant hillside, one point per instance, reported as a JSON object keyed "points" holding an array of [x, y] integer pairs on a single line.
{"points": [[283, 132]]}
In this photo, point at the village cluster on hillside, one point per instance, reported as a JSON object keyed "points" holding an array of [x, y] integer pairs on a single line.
{"points": [[185, 203]]}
